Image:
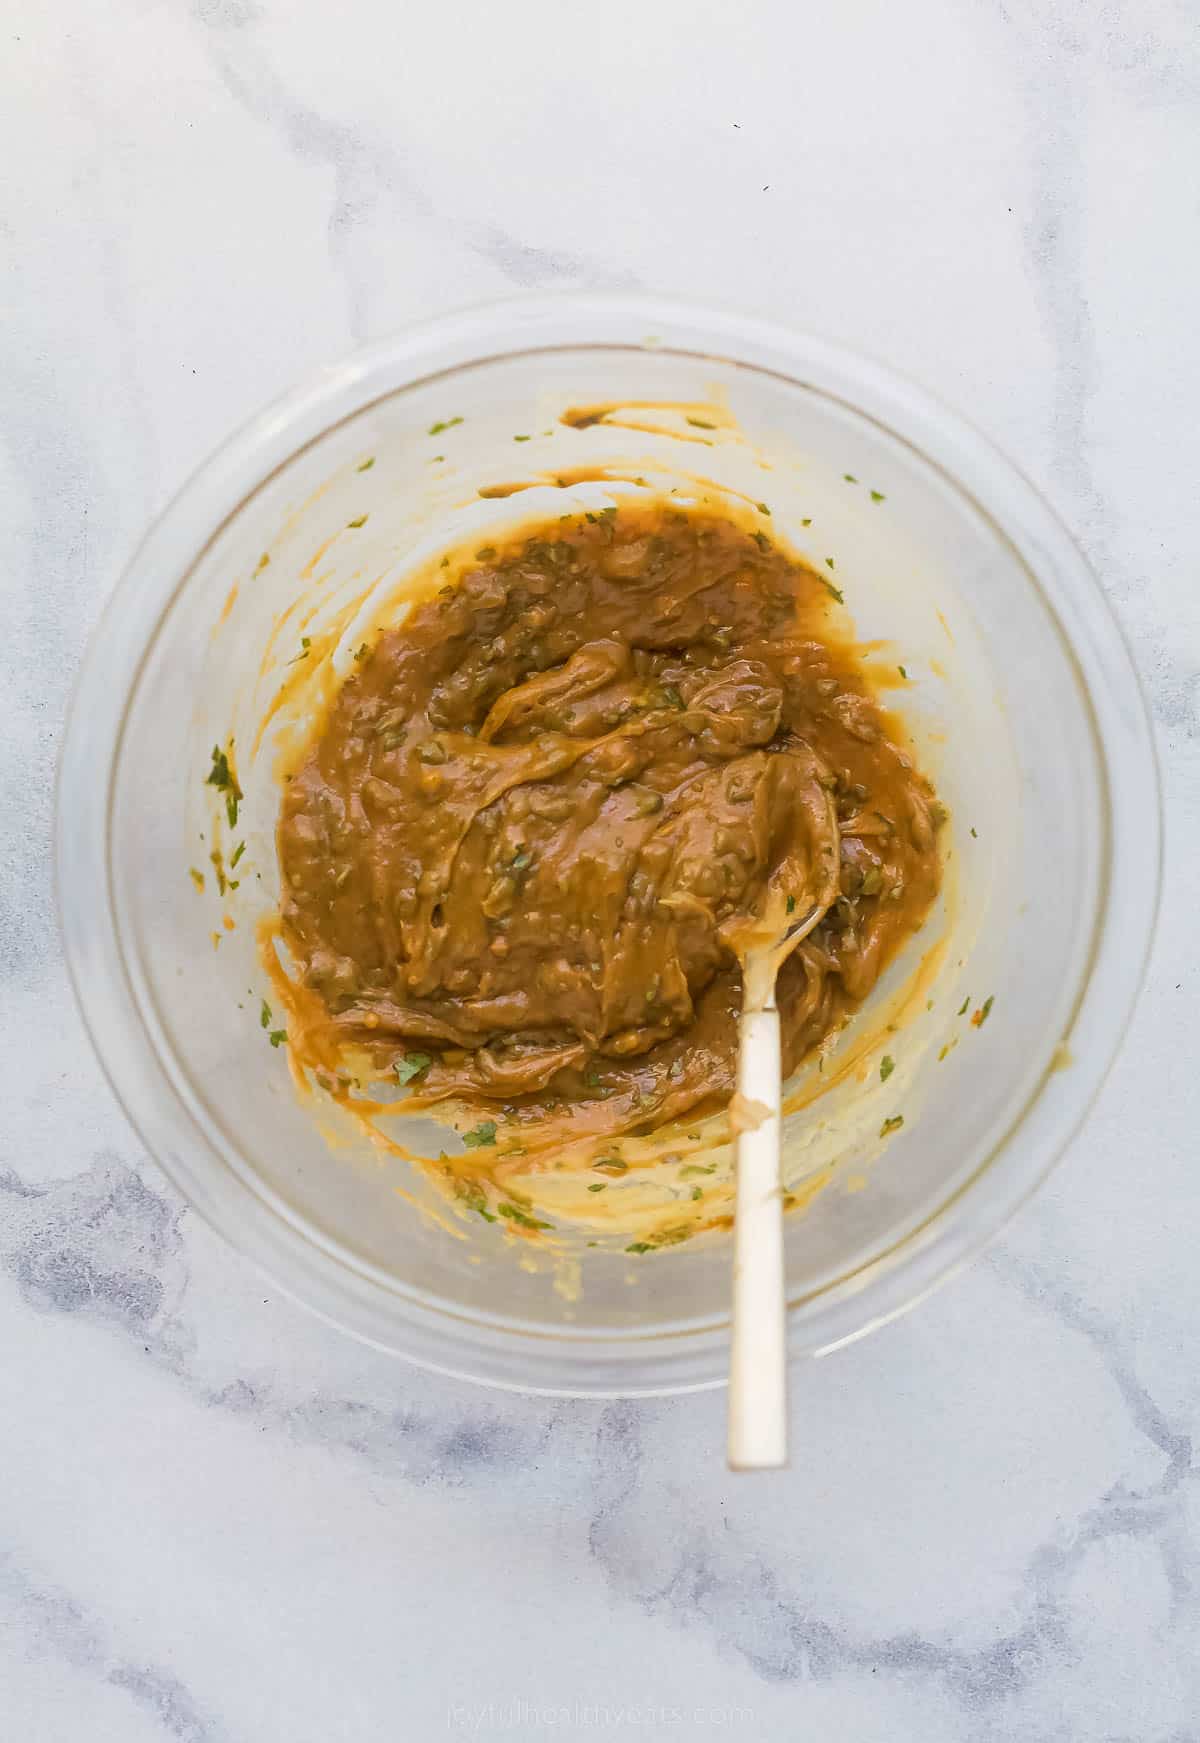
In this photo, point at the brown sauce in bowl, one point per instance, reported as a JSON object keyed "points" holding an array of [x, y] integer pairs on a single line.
{"points": [[516, 852]]}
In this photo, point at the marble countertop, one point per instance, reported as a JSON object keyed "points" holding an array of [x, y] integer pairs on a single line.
{"points": [[221, 1522]]}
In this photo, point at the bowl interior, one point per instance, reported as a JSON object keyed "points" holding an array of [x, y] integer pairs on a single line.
{"points": [[994, 702]]}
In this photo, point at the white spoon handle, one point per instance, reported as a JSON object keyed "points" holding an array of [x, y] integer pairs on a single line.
{"points": [[758, 1358]]}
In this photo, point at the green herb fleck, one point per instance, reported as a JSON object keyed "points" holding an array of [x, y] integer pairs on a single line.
{"points": [[829, 563], [277, 1037], [521, 861], [478, 1136], [264, 1016], [611, 1165], [830, 588], [701, 424], [238, 851], [762, 541], [962, 1008], [262, 563], [447, 424], [902, 672], [522, 438], [643, 1246], [807, 522], [850, 478], [981, 1016], [891, 1125], [791, 904], [360, 652], [515, 1214], [305, 645], [360, 522], [222, 777], [598, 1186], [886, 1067], [878, 496], [367, 464], [411, 1066], [975, 833], [197, 877], [691, 1170], [697, 1192], [763, 509], [473, 1196]]}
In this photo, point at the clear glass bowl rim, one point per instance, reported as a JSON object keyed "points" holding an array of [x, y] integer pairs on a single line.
{"points": [[576, 1362]]}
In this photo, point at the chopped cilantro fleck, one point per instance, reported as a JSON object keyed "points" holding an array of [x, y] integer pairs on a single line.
{"points": [[886, 1067], [238, 851], [902, 672], [691, 1170], [878, 496], [483, 1133], [807, 522], [522, 438], [598, 1186], [222, 777], [360, 522], [515, 1214], [850, 478], [701, 424], [367, 464], [763, 509], [412, 1065], [446, 424], [791, 904], [891, 1125], [980, 1017], [360, 652], [962, 1008], [641, 1246], [264, 1016], [975, 833], [835, 591], [762, 541], [277, 1037]]}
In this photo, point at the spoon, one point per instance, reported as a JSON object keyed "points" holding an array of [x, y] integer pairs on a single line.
{"points": [[800, 891]]}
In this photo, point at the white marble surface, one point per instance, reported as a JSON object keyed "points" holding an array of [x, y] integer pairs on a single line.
{"points": [[221, 1523]]}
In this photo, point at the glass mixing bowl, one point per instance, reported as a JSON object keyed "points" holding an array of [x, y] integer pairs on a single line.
{"points": [[1021, 700]]}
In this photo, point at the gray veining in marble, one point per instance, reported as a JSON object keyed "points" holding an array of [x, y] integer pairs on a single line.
{"points": [[221, 1521]]}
